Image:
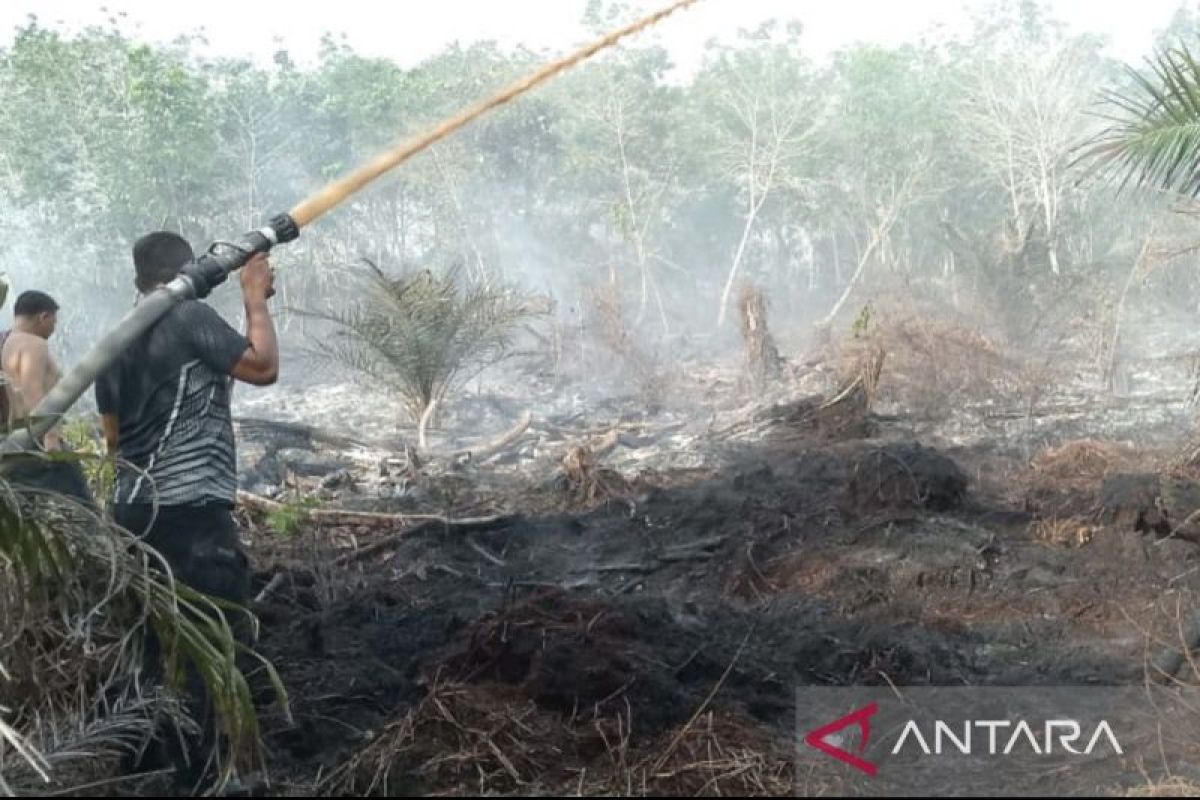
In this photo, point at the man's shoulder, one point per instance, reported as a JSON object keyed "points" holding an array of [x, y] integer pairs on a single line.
{"points": [[186, 307], [23, 337], [20, 341], [194, 309], [191, 314]]}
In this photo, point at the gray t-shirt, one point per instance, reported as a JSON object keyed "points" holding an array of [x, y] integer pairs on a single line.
{"points": [[170, 392]]}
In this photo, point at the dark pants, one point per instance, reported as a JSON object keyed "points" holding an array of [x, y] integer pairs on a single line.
{"points": [[200, 544]]}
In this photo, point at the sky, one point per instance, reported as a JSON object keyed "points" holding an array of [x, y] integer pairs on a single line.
{"points": [[408, 31]]}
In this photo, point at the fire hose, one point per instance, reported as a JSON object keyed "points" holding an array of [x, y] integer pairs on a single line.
{"points": [[200, 277]]}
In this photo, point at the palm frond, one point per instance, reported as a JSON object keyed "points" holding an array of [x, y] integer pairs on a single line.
{"points": [[76, 595], [1153, 136], [29, 760], [73, 749]]}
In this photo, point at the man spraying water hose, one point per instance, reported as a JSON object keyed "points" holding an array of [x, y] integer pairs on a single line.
{"points": [[165, 411]]}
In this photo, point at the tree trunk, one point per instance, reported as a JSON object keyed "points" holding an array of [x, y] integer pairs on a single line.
{"points": [[423, 426], [1110, 363], [876, 238], [751, 214], [837, 260]]}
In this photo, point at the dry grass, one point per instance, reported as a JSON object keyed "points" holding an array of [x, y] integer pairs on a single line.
{"points": [[860, 376], [1081, 460], [813, 574], [941, 360], [642, 367], [475, 734], [717, 755], [1185, 462], [1173, 787], [586, 481], [1064, 532], [463, 740], [934, 364], [488, 739], [749, 579]]}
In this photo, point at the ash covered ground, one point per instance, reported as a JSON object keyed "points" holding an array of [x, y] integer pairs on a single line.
{"points": [[624, 596]]}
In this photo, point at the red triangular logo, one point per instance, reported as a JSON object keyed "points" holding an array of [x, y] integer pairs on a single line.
{"points": [[861, 718]]}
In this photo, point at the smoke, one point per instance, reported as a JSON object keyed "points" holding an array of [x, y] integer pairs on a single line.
{"points": [[92, 289], [608, 179]]}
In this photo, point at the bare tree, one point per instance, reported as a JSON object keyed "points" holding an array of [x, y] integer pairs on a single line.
{"points": [[642, 194], [767, 113], [889, 206], [880, 141], [645, 166], [1023, 118]]}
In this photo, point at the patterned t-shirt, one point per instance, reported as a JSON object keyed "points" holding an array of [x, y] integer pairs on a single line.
{"points": [[170, 392]]}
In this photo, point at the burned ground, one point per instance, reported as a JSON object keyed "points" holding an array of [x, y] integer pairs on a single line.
{"points": [[795, 555]]}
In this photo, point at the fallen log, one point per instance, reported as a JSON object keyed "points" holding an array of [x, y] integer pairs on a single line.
{"points": [[277, 434], [497, 445], [444, 523], [566, 432], [336, 516], [580, 460], [603, 445], [487, 554], [275, 582]]}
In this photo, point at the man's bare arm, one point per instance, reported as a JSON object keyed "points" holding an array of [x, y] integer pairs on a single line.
{"points": [[111, 428], [50, 376], [260, 363]]}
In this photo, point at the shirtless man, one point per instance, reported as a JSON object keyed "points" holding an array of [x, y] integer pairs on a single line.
{"points": [[29, 373], [25, 359]]}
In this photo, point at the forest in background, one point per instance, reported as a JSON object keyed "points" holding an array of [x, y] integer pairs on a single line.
{"points": [[944, 172]]}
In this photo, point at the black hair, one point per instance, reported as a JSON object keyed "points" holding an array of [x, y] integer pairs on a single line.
{"points": [[158, 257], [32, 303]]}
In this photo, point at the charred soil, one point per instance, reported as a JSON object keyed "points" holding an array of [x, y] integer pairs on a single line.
{"points": [[604, 643]]}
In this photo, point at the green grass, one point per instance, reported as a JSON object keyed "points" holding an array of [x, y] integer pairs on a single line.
{"points": [[286, 521]]}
